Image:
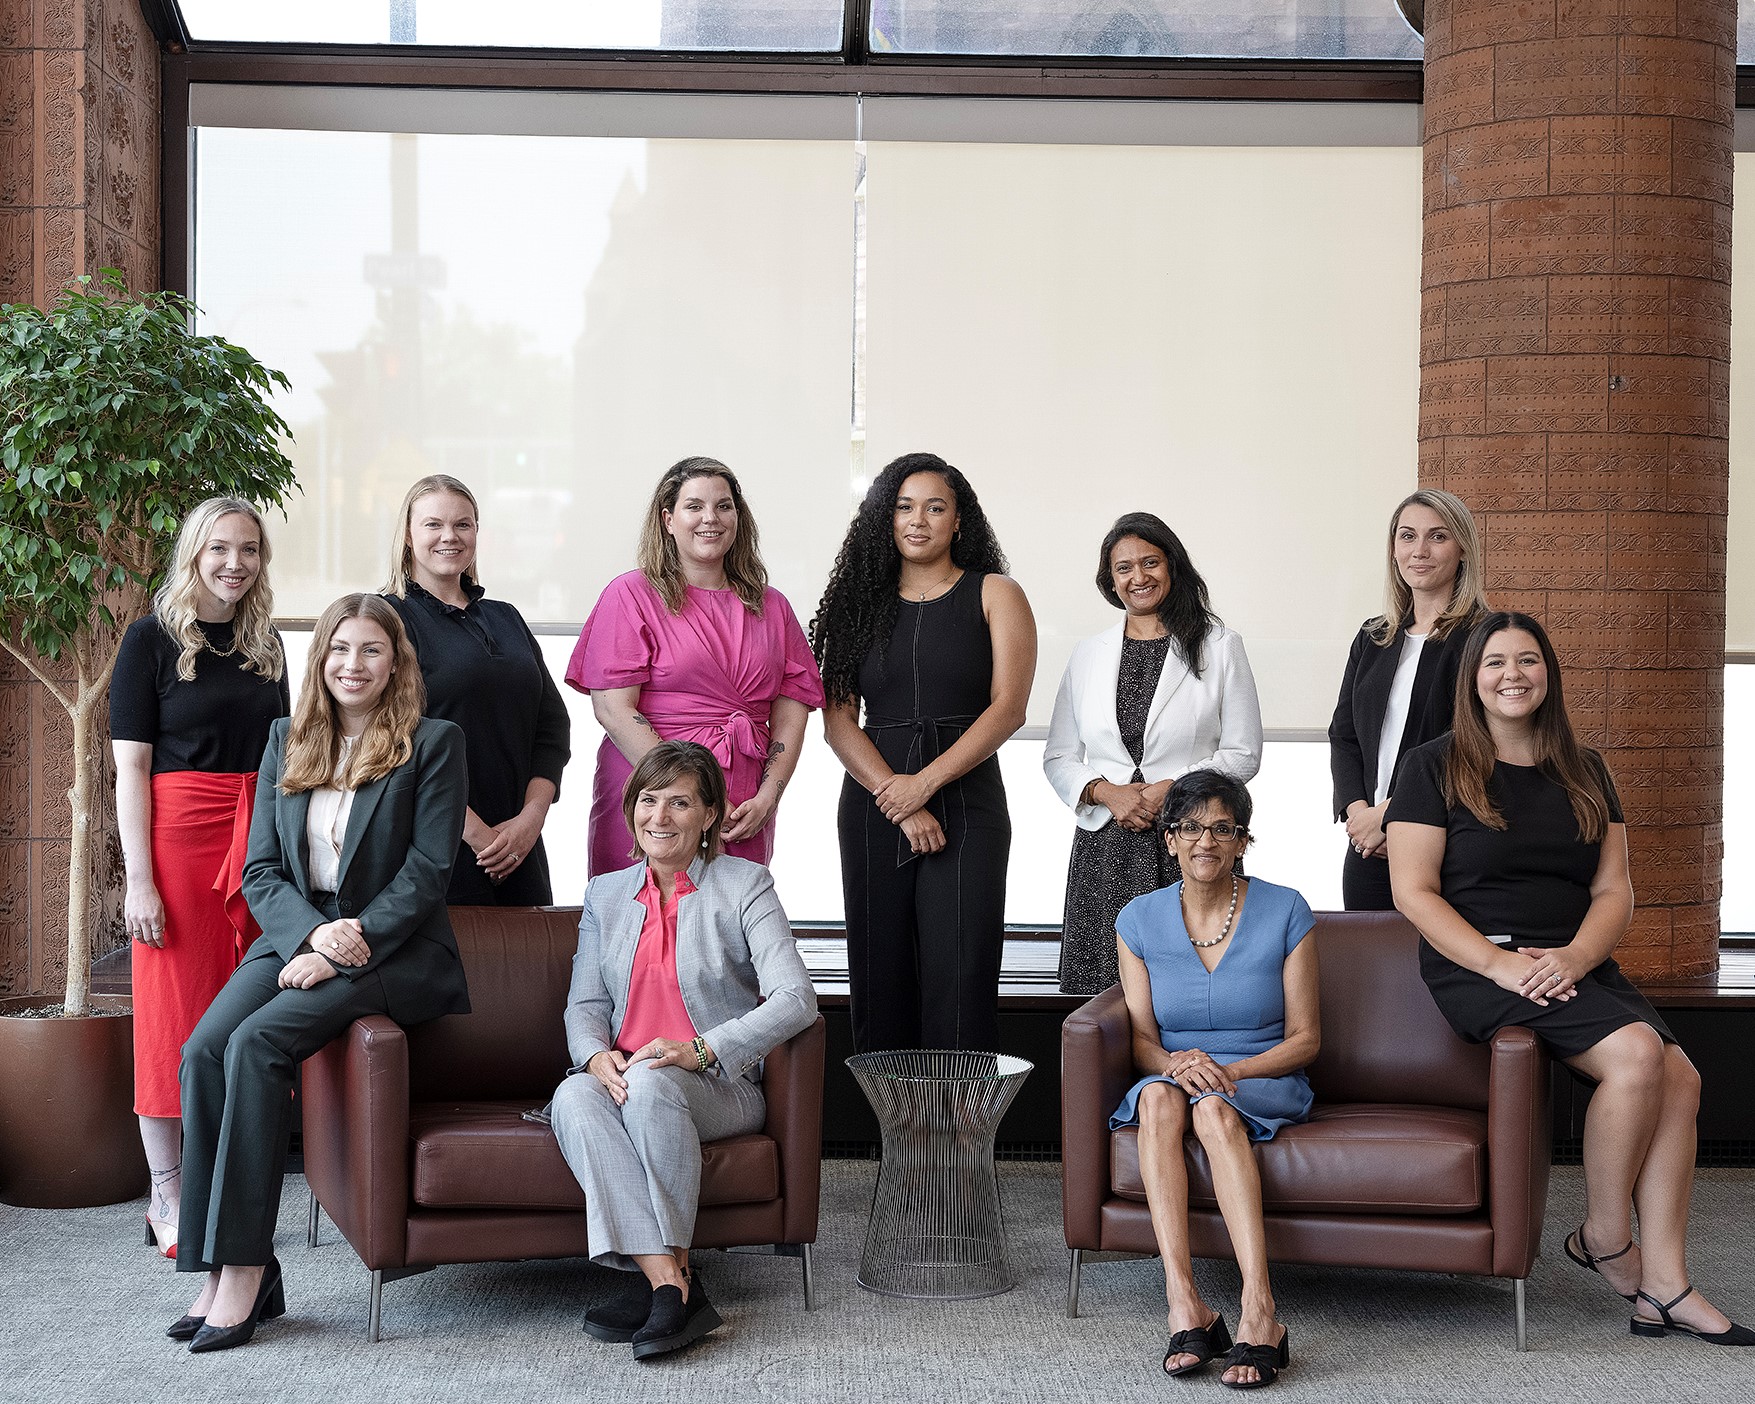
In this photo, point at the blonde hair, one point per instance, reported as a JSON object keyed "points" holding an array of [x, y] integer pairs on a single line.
{"points": [[313, 742], [253, 635], [1468, 595], [402, 549], [657, 556]]}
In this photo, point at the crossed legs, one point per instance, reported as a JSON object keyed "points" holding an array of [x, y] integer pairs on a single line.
{"points": [[1165, 1118]]}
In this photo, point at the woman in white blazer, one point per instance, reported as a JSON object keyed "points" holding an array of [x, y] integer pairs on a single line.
{"points": [[1166, 691], [687, 976]]}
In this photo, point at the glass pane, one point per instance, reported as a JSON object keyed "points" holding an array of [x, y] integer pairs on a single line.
{"points": [[1372, 29], [1740, 526], [790, 26]]}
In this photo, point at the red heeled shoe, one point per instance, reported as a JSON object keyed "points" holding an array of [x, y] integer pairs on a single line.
{"points": [[157, 1229]]}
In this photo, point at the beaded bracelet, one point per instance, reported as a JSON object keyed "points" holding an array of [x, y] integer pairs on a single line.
{"points": [[701, 1058]]}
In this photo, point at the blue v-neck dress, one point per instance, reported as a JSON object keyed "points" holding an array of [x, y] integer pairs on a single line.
{"points": [[1236, 1010]]}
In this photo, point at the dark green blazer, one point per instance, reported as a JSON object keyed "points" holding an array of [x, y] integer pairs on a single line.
{"points": [[402, 836]]}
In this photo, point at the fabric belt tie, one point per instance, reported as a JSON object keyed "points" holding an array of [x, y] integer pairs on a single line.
{"points": [[928, 739]]}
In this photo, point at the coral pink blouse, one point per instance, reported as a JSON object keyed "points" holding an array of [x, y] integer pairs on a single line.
{"points": [[655, 1003]]}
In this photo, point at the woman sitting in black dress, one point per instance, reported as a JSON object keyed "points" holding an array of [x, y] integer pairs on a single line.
{"points": [[1508, 851]]}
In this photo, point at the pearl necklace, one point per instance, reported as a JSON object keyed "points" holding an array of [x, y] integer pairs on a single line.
{"points": [[1182, 893]]}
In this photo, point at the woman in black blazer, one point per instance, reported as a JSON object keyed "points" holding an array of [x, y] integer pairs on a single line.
{"points": [[1400, 682], [359, 807]]}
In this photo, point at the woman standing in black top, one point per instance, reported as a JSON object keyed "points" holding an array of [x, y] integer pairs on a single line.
{"points": [[1401, 677], [920, 622], [483, 671], [1509, 852], [197, 684]]}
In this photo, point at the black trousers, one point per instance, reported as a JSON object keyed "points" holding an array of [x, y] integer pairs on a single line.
{"points": [[237, 1082], [1365, 884], [924, 933]]}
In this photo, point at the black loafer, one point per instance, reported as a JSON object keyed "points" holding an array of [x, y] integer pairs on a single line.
{"points": [[675, 1323], [617, 1320]]}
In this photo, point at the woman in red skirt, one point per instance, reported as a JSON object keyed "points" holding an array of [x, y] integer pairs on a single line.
{"points": [[196, 685]]}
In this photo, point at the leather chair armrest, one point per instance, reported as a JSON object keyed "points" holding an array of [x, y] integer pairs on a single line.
{"points": [[1520, 1148], [792, 1084], [1096, 1068], [356, 1137]]}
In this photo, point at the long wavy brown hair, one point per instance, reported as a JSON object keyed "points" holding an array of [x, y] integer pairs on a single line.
{"points": [[313, 742], [1468, 766], [657, 556]]}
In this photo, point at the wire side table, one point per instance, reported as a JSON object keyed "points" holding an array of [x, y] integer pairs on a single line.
{"points": [[936, 1228]]}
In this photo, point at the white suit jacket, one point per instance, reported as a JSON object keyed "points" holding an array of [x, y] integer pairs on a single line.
{"points": [[1212, 721]]}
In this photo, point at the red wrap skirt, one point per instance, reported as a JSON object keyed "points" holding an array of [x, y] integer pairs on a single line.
{"points": [[200, 836]]}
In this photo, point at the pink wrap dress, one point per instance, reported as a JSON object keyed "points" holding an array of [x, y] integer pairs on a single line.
{"points": [[708, 674]]}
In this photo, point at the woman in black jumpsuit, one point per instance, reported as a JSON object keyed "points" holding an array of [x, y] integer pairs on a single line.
{"points": [[920, 623]]}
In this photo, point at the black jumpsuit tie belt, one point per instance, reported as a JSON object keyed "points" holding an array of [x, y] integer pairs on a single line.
{"points": [[928, 739]]}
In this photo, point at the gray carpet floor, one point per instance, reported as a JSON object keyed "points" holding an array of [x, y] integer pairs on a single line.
{"points": [[83, 1304]]}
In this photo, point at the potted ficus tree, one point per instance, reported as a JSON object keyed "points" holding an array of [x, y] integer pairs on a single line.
{"points": [[115, 419]]}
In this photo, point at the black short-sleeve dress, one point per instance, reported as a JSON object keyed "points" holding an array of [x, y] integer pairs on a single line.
{"points": [[1525, 885]]}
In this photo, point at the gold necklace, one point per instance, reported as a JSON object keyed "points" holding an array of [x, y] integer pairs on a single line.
{"points": [[954, 572], [207, 643]]}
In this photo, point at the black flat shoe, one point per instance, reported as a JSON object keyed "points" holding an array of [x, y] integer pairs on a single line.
{"points": [[1587, 1259], [270, 1303], [1267, 1360], [616, 1321], [1639, 1326], [185, 1327], [675, 1323], [1203, 1341]]}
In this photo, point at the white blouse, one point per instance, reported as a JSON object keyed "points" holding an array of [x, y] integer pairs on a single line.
{"points": [[326, 825], [1395, 712]]}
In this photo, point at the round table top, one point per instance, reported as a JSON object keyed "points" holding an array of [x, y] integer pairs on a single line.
{"points": [[939, 1065]]}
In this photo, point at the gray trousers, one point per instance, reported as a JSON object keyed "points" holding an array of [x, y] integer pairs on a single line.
{"points": [[640, 1163]]}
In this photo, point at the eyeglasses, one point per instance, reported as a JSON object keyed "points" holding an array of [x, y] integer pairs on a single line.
{"points": [[1223, 831]]}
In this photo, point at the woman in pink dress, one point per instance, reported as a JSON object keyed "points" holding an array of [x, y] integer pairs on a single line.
{"points": [[696, 646]]}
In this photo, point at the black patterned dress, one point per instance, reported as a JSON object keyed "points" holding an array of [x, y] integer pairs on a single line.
{"points": [[1111, 866]]}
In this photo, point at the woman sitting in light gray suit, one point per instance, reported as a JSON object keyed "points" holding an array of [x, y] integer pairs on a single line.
{"points": [[686, 977]]}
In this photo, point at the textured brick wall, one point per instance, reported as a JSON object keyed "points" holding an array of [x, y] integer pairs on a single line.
{"points": [[79, 144], [1574, 388]]}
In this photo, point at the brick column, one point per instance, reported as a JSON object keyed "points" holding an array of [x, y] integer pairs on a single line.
{"points": [[79, 153], [1574, 386]]}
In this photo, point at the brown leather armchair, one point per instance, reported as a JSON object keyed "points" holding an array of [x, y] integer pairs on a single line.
{"points": [[1423, 1152], [416, 1143]]}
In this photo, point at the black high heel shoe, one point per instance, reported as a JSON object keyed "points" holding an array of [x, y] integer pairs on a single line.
{"points": [[185, 1327], [1202, 1341], [1267, 1360], [270, 1303], [1587, 1259], [1639, 1326]]}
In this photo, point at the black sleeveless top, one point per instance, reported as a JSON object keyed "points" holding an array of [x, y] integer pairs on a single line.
{"points": [[926, 688]]}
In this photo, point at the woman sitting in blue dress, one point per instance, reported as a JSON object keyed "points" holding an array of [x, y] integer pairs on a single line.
{"points": [[1221, 988]]}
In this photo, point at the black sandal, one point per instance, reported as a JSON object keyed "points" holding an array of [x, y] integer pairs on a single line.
{"points": [[1736, 1336], [1267, 1360], [1587, 1259], [1203, 1341]]}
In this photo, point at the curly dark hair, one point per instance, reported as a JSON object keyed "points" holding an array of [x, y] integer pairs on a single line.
{"points": [[858, 608], [1187, 613]]}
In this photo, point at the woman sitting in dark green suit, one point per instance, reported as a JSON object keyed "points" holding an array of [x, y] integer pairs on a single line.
{"points": [[359, 808]]}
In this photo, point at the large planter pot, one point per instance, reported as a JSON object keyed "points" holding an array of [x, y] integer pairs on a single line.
{"points": [[68, 1134]]}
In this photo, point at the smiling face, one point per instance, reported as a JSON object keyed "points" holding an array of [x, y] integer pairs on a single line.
{"points": [[441, 539], [926, 519], [229, 563], [357, 669], [704, 521], [1512, 681], [670, 821], [1141, 574], [1207, 857], [1427, 553]]}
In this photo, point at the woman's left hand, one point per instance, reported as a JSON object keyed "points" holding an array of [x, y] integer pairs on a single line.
{"points": [[668, 1053], [902, 795], [1554, 971], [510, 845], [1196, 1071], [751, 817], [304, 971]]}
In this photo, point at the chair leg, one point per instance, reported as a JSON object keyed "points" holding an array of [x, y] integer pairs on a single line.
{"points": [[311, 1227], [1072, 1282], [377, 1306], [1523, 1340], [810, 1281]]}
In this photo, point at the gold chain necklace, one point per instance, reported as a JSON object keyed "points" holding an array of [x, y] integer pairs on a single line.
{"points": [[954, 572]]}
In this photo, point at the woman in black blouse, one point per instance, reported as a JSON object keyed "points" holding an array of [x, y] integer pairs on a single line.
{"points": [[1508, 851], [1401, 676], [485, 672], [196, 685]]}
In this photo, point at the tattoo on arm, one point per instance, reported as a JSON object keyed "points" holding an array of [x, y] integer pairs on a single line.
{"points": [[643, 722], [775, 750]]}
